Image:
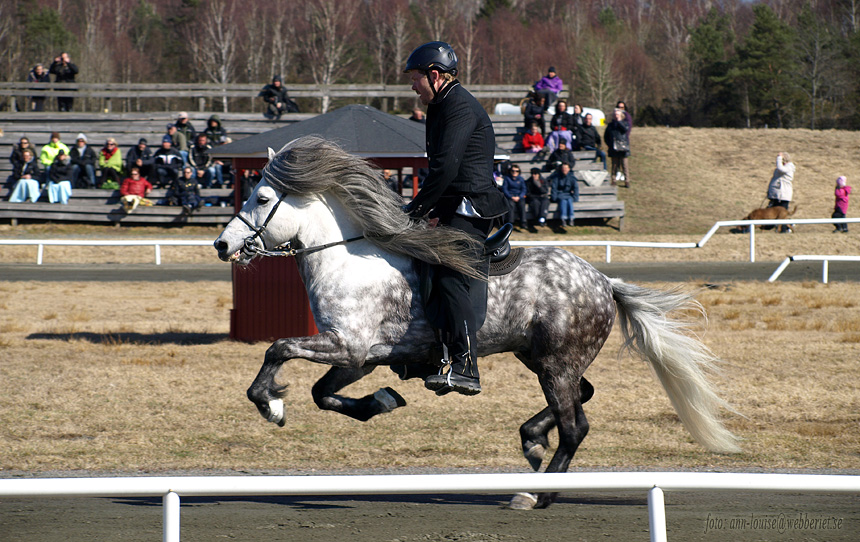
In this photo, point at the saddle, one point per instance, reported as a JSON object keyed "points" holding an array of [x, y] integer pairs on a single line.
{"points": [[497, 247]]}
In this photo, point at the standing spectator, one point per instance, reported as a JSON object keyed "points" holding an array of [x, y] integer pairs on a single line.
{"points": [[538, 196], [134, 190], [83, 161], [215, 131], [60, 180], [514, 189], [49, 152], [549, 86], [26, 178], [618, 143], [841, 207], [184, 127], [64, 72], [167, 162], [589, 140], [38, 75], [418, 116], [277, 99], [560, 155], [533, 140], [565, 191], [179, 142], [140, 156], [185, 191], [628, 116], [110, 162], [780, 190], [533, 113], [562, 120], [198, 157]]}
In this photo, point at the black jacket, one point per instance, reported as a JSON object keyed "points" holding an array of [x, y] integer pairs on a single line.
{"points": [[563, 118], [588, 136], [64, 73], [134, 153], [61, 170], [88, 157], [460, 144]]}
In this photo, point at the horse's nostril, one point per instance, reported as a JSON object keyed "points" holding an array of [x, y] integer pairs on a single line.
{"points": [[221, 246]]}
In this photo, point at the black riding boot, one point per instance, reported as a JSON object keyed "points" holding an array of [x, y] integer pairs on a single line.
{"points": [[459, 373]]}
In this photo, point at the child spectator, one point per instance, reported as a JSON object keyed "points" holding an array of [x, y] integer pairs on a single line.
{"points": [[134, 190], [533, 140], [841, 207]]}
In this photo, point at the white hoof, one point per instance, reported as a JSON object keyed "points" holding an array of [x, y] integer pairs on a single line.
{"points": [[523, 501], [276, 411]]}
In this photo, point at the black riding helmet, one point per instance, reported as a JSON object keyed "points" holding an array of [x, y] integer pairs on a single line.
{"points": [[435, 55]]}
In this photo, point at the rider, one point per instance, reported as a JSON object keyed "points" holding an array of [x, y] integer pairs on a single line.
{"points": [[460, 192]]}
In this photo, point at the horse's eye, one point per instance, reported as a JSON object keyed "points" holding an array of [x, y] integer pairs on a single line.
{"points": [[262, 200]]}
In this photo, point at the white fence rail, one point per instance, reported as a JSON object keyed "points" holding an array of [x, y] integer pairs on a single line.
{"points": [[171, 489], [157, 244], [825, 260]]}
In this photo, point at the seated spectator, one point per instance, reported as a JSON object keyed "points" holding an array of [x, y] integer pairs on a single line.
{"points": [[38, 75], [533, 140], [277, 99], [26, 178], [418, 116], [199, 158], [185, 191], [577, 115], [49, 152], [140, 156], [565, 191], [179, 142], [215, 131], [167, 162], [589, 139], [134, 190], [60, 179], [110, 162], [16, 158], [83, 162], [390, 180], [557, 137], [514, 188], [549, 86], [562, 120], [538, 196], [560, 155], [533, 113], [184, 127]]}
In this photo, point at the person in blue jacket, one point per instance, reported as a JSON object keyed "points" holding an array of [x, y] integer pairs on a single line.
{"points": [[565, 191], [514, 188]]}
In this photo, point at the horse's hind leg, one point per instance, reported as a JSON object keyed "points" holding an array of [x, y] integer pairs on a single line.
{"points": [[325, 394]]}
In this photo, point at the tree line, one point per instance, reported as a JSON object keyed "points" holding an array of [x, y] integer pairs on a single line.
{"points": [[723, 63]]}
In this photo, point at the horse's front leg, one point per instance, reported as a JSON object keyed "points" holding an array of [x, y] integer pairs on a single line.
{"points": [[326, 397], [328, 348]]}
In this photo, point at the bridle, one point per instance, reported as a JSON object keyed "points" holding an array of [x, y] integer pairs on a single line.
{"points": [[285, 249]]}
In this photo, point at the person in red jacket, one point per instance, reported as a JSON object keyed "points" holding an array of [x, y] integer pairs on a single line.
{"points": [[533, 140], [134, 190]]}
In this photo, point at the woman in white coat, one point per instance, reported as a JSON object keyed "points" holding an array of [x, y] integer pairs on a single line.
{"points": [[779, 191]]}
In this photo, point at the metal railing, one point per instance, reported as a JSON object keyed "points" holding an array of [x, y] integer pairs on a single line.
{"points": [[171, 489], [157, 244], [825, 264]]}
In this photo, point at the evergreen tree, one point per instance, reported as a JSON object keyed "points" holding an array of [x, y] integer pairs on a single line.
{"points": [[710, 99]]}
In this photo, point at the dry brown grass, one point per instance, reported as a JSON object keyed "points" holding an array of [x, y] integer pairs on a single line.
{"points": [[127, 388]]}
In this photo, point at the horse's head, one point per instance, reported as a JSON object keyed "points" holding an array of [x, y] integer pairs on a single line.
{"points": [[263, 223]]}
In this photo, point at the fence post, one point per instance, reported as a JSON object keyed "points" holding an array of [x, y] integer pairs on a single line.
{"points": [[752, 243], [39, 253], [608, 253], [157, 254], [824, 269], [657, 514], [171, 505]]}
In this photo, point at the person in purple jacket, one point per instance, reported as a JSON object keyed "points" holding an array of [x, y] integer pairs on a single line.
{"points": [[549, 86]]}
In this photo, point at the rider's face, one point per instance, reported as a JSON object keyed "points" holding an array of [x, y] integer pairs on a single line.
{"points": [[421, 85]]}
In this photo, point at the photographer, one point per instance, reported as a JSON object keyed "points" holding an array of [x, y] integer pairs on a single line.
{"points": [[64, 72]]}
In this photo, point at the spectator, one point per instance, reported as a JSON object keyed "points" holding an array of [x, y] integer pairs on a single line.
{"points": [[185, 128], [565, 191], [60, 179], [557, 137], [780, 190], [277, 99], [418, 116], [618, 144], [64, 72], [26, 178], [589, 140], [110, 162], [247, 182], [561, 155], [38, 75], [180, 143], [533, 113], [16, 158], [577, 116], [83, 162], [140, 156], [199, 158], [841, 207], [562, 120], [185, 191], [538, 196], [627, 115], [49, 152], [215, 132], [167, 162], [514, 188], [533, 140], [390, 181], [134, 190], [549, 86]]}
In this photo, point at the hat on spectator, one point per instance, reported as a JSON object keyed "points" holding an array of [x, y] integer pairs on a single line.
{"points": [[170, 125], [167, 139], [183, 115], [55, 134], [841, 180], [81, 136], [535, 170], [551, 69], [142, 141]]}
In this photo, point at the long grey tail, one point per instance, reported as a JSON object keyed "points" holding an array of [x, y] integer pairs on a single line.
{"points": [[682, 362]]}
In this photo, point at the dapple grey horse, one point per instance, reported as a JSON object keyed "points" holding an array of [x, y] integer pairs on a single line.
{"points": [[355, 251]]}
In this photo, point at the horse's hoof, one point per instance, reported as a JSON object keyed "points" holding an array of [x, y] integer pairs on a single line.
{"points": [[535, 455], [389, 399], [523, 501], [276, 412]]}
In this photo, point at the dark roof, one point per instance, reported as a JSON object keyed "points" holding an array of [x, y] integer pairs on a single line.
{"points": [[358, 129]]}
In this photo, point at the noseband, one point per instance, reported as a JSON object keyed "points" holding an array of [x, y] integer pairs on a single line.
{"points": [[284, 249]]}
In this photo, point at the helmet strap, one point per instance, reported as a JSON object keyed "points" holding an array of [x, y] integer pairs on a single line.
{"points": [[432, 85]]}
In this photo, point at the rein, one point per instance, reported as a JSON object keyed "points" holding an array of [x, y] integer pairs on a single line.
{"points": [[285, 249]]}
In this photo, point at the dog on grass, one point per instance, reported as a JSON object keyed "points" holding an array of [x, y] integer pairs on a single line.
{"points": [[771, 213]]}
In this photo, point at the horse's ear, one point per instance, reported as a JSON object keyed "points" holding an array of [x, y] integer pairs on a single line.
{"points": [[271, 152]]}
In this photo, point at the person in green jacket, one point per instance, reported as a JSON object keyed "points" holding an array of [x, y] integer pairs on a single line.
{"points": [[110, 163], [49, 152]]}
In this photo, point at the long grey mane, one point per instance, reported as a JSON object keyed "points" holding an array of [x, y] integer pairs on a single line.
{"points": [[313, 165]]}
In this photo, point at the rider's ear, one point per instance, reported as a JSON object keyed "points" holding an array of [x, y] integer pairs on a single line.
{"points": [[271, 154]]}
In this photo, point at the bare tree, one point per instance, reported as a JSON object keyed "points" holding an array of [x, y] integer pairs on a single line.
{"points": [[212, 40], [283, 38], [596, 74]]}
